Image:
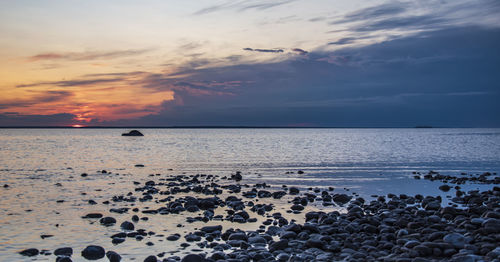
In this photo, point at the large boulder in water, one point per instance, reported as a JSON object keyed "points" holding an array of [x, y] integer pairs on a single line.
{"points": [[133, 133]]}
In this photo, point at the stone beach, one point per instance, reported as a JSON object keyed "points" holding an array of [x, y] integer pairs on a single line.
{"points": [[319, 224]]}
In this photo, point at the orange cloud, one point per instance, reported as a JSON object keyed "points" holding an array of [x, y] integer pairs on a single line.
{"points": [[91, 55], [87, 99]]}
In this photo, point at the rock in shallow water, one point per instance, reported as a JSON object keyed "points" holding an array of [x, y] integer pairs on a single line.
{"points": [[173, 237], [113, 256], [64, 251], [63, 259], [211, 229], [30, 252], [293, 191], [133, 133], [297, 207], [107, 221], [93, 215], [127, 225], [93, 252], [192, 238], [445, 188], [151, 259], [341, 198]]}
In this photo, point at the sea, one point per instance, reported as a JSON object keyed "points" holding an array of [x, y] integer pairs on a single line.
{"points": [[45, 194]]}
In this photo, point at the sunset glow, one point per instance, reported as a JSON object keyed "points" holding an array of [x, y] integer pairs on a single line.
{"points": [[230, 62]]}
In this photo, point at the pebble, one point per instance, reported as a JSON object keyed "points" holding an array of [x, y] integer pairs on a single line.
{"points": [[127, 226], [455, 239], [193, 258], [113, 256], [93, 252], [107, 221], [385, 228], [93, 215], [211, 229], [173, 237], [30, 252], [63, 259], [64, 251]]}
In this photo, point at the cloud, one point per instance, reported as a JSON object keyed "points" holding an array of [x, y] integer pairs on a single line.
{"points": [[277, 50], [13, 119], [351, 39], [90, 99], [422, 15], [374, 12], [344, 41], [241, 6], [263, 5], [73, 83], [300, 51], [121, 74], [317, 19], [38, 97], [83, 56], [435, 78], [281, 20], [404, 23], [53, 96], [445, 77]]}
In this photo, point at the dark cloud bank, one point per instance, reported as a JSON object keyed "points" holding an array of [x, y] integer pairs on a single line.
{"points": [[444, 78]]}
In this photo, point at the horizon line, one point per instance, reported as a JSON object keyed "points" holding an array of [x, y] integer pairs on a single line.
{"points": [[227, 127]]}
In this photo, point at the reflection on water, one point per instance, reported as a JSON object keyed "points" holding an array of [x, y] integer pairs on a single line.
{"points": [[229, 149], [43, 167]]}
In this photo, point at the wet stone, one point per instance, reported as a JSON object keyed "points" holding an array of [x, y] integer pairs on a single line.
{"points": [[64, 251], [93, 252], [127, 226], [455, 239], [107, 221], [63, 259], [193, 258], [113, 256], [211, 229], [30, 252], [192, 237], [93, 215]]}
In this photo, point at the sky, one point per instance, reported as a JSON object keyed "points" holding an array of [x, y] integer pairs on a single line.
{"points": [[290, 63]]}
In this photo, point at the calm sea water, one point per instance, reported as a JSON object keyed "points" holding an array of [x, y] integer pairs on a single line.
{"points": [[341, 150], [366, 161]]}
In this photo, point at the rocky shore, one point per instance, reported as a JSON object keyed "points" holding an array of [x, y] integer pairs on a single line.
{"points": [[348, 228]]}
